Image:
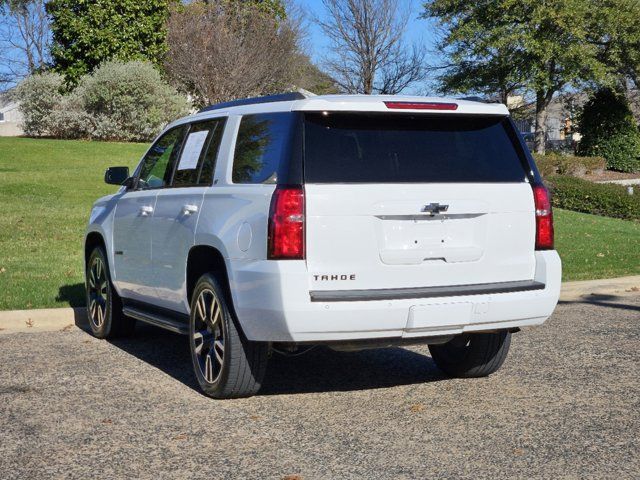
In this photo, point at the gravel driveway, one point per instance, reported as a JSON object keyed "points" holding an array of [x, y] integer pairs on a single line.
{"points": [[565, 404]]}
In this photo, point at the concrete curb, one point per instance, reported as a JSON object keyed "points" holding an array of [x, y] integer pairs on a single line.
{"points": [[41, 320], [62, 319], [611, 286]]}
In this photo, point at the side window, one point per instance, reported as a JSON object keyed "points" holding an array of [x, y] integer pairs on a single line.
{"points": [[263, 141], [156, 168], [198, 158]]}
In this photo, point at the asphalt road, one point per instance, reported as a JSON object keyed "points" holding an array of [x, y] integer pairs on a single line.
{"points": [[566, 404]]}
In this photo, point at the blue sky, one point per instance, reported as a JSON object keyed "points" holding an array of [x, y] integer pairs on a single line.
{"points": [[418, 30]]}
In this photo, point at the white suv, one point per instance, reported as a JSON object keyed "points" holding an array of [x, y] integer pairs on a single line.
{"points": [[276, 223]]}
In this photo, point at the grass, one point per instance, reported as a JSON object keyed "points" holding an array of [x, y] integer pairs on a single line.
{"points": [[596, 247], [46, 191], [47, 188]]}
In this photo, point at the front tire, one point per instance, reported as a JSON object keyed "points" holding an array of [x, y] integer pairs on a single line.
{"points": [[104, 306], [472, 355], [226, 364]]}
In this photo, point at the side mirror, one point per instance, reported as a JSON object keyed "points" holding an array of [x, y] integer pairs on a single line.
{"points": [[116, 175]]}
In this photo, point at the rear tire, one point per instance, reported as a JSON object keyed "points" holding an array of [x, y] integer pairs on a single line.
{"points": [[472, 355], [104, 306], [226, 364]]}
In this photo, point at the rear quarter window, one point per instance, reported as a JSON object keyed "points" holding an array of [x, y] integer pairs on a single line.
{"points": [[399, 148], [263, 147]]}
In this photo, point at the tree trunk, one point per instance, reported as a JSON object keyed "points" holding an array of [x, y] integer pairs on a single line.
{"points": [[367, 81], [543, 99]]}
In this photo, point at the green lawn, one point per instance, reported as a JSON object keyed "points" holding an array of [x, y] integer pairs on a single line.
{"points": [[47, 188], [46, 191], [596, 247]]}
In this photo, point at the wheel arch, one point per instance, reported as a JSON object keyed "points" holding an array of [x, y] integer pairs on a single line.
{"points": [[204, 259], [96, 238], [92, 240]]}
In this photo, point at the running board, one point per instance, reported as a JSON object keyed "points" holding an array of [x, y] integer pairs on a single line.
{"points": [[157, 320]]}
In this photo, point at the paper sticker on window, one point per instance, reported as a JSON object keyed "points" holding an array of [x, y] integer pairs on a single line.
{"points": [[192, 150]]}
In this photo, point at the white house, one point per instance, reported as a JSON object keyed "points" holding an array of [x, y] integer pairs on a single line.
{"points": [[10, 117]]}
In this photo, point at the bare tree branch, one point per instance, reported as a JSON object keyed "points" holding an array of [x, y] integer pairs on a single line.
{"points": [[227, 50], [369, 54], [24, 39]]}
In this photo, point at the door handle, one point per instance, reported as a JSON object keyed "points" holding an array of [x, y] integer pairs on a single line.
{"points": [[146, 210], [189, 209]]}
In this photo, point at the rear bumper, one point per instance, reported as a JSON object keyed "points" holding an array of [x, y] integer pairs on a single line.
{"points": [[273, 303]]}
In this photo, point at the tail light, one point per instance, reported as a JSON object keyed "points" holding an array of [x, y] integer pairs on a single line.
{"points": [[286, 223], [544, 218]]}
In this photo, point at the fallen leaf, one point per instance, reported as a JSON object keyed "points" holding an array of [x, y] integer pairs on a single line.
{"points": [[181, 436], [67, 328], [2, 269], [600, 255], [418, 407], [254, 417], [518, 451], [292, 477], [107, 421], [29, 323]]}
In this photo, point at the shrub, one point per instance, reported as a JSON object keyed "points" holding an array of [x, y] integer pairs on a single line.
{"points": [[605, 199], [128, 101], [622, 152], [38, 96], [119, 101], [555, 163], [69, 120], [609, 130]]}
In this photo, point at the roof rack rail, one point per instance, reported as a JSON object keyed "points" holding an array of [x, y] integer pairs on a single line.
{"points": [[279, 97], [477, 99]]}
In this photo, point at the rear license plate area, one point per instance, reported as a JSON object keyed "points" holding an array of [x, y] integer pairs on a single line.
{"points": [[439, 315]]}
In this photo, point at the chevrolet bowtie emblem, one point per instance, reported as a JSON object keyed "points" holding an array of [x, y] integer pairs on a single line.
{"points": [[434, 208]]}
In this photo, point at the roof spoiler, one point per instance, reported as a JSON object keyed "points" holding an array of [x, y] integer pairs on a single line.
{"points": [[279, 97]]}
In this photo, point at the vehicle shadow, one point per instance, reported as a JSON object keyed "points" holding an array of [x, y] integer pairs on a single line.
{"points": [[73, 294], [324, 370], [605, 300], [319, 370]]}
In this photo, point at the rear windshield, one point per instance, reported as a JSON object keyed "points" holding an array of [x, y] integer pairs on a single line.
{"points": [[370, 148]]}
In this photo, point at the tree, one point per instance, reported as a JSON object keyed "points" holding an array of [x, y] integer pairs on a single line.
{"points": [[233, 50], [609, 130], [369, 51], [620, 38], [24, 39], [275, 8], [541, 47], [87, 33]]}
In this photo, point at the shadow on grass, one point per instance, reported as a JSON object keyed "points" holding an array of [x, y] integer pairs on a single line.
{"points": [[320, 370], [73, 294]]}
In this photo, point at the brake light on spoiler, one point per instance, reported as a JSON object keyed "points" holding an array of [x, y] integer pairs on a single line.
{"points": [[421, 106]]}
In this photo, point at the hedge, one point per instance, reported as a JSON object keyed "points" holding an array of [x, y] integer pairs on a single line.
{"points": [[557, 164], [605, 199]]}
